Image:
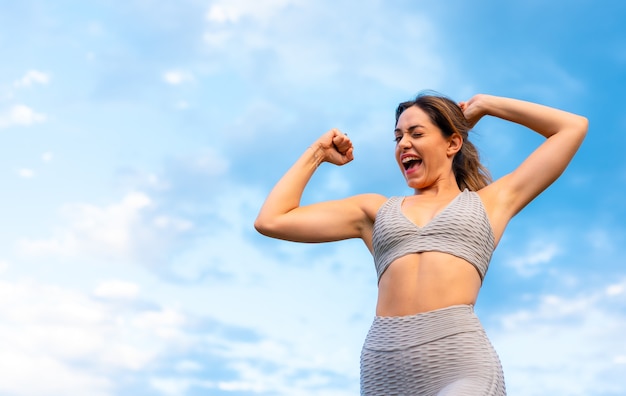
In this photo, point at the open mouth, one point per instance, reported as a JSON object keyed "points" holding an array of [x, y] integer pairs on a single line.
{"points": [[410, 162]]}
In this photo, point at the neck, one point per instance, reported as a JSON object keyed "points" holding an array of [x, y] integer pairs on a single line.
{"points": [[443, 187]]}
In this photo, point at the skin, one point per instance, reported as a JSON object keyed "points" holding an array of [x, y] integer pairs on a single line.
{"points": [[431, 280]]}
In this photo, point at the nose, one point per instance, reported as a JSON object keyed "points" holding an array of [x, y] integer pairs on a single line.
{"points": [[404, 141]]}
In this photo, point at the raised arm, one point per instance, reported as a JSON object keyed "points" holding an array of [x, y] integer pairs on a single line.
{"points": [[282, 217], [564, 133]]}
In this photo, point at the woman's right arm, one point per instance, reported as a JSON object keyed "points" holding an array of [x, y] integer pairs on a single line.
{"points": [[282, 217]]}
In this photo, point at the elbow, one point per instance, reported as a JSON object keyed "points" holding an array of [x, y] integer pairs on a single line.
{"points": [[272, 228], [263, 226], [260, 226], [577, 129], [582, 126]]}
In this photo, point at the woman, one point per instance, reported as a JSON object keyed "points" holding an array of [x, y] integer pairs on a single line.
{"points": [[432, 249]]}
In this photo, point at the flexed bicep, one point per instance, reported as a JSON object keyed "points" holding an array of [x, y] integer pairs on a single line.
{"points": [[326, 221]]}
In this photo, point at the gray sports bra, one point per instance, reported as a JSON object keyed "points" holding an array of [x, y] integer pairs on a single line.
{"points": [[461, 229]]}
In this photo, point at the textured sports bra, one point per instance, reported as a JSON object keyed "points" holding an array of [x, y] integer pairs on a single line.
{"points": [[461, 229]]}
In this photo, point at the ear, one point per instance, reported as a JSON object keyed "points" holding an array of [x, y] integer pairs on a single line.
{"points": [[455, 142]]}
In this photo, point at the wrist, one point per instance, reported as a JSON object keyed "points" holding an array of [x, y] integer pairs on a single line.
{"points": [[317, 154], [484, 104]]}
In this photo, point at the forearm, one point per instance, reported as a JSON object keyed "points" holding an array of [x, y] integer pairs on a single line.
{"points": [[545, 120], [287, 193]]}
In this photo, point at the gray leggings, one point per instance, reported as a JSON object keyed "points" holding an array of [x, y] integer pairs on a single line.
{"points": [[437, 353]]}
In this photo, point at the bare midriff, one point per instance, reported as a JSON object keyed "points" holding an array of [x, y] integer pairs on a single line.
{"points": [[423, 282]]}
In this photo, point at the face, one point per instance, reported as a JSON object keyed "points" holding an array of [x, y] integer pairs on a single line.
{"points": [[422, 152]]}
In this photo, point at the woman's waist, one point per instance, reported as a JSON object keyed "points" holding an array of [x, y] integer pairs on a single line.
{"points": [[408, 291], [389, 333], [408, 307]]}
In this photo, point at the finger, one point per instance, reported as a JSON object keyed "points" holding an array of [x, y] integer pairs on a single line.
{"points": [[343, 145], [350, 154], [338, 133], [341, 141]]}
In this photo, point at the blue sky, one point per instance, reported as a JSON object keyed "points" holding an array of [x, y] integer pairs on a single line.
{"points": [[140, 137]]}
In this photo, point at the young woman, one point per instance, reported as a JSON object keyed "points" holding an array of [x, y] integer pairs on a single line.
{"points": [[431, 249]]}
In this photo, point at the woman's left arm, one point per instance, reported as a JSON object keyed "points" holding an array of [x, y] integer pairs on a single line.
{"points": [[564, 133]]}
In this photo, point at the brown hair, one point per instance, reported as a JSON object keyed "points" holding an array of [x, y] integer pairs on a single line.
{"points": [[448, 116]]}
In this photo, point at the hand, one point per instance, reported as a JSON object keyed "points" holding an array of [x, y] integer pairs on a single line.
{"points": [[336, 147], [474, 109]]}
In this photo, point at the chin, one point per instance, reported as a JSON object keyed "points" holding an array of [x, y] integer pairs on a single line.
{"points": [[420, 183], [415, 184]]}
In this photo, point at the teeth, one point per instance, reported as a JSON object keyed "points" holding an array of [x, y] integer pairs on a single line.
{"points": [[407, 159]]}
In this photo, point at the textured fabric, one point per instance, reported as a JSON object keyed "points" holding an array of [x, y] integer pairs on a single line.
{"points": [[438, 353], [461, 229]]}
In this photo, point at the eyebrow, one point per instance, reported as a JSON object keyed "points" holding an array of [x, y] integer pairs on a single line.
{"points": [[409, 129]]}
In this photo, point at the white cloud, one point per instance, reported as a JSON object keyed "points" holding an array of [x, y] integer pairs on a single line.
{"points": [[117, 289], [616, 289], [32, 77], [218, 13], [297, 371], [4, 265], [539, 252], [166, 323], [167, 222], [224, 11], [53, 378], [565, 345], [73, 344], [20, 115], [26, 173], [108, 227], [178, 386], [127, 230], [177, 77], [47, 156]]}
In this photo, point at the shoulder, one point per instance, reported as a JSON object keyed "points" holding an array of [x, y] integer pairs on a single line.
{"points": [[369, 203]]}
